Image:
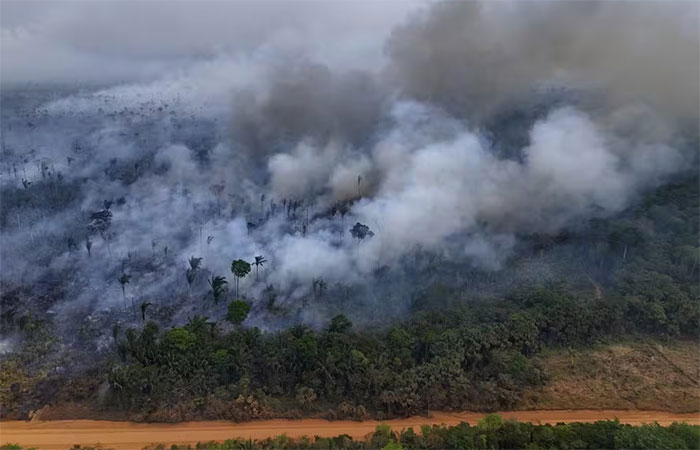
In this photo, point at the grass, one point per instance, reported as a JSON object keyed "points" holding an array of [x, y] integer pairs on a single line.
{"points": [[646, 375]]}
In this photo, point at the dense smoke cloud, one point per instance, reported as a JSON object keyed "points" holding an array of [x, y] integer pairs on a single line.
{"points": [[471, 57], [277, 145]]}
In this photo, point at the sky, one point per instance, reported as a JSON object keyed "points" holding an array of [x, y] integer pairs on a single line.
{"points": [[107, 41]]}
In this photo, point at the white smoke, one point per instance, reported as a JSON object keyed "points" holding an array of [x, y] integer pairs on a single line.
{"points": [[221, 146]]}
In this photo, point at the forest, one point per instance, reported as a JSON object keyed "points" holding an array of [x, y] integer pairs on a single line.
{"points": [[457, 354]]}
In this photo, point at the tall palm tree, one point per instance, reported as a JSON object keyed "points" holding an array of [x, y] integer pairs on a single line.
{"points": [[115, 331], [262, 206], [240, 269], [144, 307], [124, 279], [193, 270], [218, 287], [88, 245], [259, 261], [322, 286], [209, 239]]}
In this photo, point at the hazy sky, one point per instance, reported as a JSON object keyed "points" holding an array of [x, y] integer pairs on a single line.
{"points": [[112, 41]]}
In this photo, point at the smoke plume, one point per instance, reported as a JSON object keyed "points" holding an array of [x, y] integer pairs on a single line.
{"points": [[480, 124]]}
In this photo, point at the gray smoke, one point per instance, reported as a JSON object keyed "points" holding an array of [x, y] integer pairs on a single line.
{"points": [[472, 57], [257, 148]]}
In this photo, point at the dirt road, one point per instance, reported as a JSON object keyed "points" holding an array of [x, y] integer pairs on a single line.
{"points": [[62, 434]]}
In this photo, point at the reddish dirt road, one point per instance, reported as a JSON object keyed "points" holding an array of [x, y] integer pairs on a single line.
{"points": [[62, 434]]}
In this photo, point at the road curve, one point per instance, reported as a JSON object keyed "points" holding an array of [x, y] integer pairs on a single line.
{"points": [[63, 434]]}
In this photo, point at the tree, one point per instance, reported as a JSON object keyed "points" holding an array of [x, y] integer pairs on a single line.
{"points": [[88, 245], [144, 307], [71, 244], [259, 261], [306, 396], [491, 422], [100, 222], [209, 239], [392, 445], [115, 331], [180, 339], [339, 324], [124, 280], [217, 189], [237, 311], [360, 231], [319, 287], [193, 270], [218, 287], [262, 206], [240, 269], [343, 210]]}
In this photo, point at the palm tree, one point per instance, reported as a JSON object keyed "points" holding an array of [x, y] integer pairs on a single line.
{"points": [[193, 270], [124, 280], [240, 269], [262, 206], [71, 244], [144, 307], [218, 287], [115, 331], [319, 286], [217, 189], [343, 210], [259, 261], [209, 239], [322, 286]]}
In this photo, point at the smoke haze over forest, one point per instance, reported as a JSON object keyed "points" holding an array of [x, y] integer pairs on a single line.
{"points": [[454, 131]]}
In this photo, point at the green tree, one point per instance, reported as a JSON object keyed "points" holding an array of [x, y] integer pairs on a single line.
{"points": [[180, 339], [237, 312], [306, 396], [647, 436], [392, 445], [491, 422], [239, 269], [339, 324]]}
